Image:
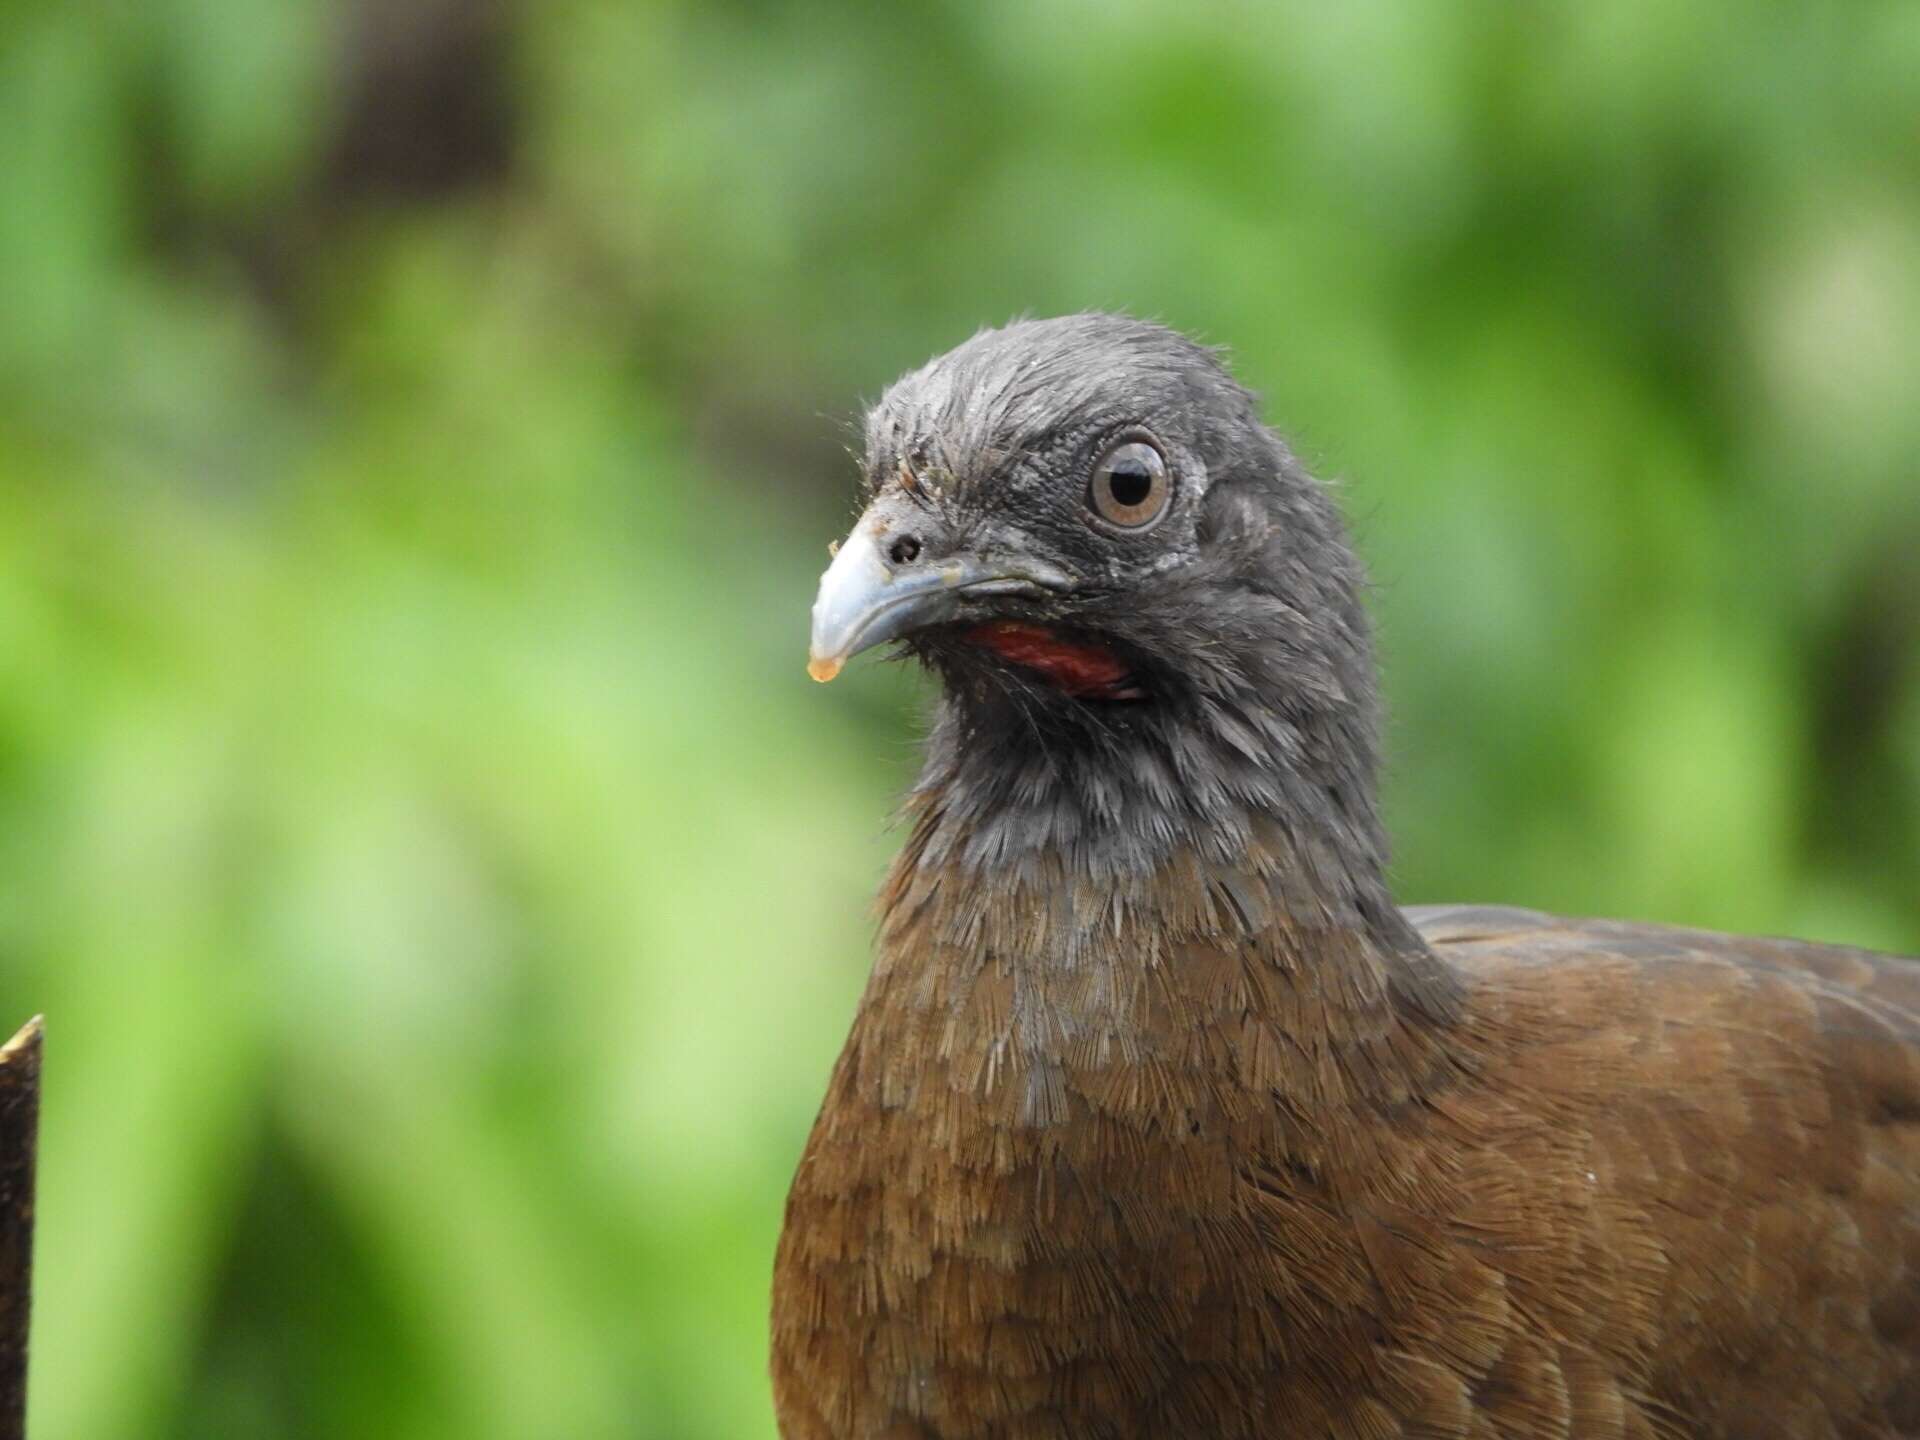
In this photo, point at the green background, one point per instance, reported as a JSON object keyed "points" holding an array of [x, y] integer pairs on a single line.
{"points": [[421, 424]]}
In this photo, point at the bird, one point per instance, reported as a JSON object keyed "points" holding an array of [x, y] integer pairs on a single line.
{"points": [[1158, 1117]]}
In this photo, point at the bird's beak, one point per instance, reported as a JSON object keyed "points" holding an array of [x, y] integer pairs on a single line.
{"points": [[865, 601]]}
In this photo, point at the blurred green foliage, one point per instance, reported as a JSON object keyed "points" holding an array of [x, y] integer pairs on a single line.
{"points": [[420, 426]]}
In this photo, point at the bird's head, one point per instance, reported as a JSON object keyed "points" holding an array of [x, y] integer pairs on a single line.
{"points": [[1147, 621], [1084, 522]]}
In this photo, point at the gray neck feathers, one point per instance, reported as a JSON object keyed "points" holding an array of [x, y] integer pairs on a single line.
{"points": [[1260, 740]]}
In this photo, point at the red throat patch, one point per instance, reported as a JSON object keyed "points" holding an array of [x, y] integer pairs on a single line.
{"points": [[1089, 672]]}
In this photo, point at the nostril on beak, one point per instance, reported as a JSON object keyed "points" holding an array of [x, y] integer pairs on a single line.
{"points": [[905, 550]]}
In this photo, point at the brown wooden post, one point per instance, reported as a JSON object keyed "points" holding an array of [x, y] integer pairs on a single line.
{"points": [[19, 1141]]}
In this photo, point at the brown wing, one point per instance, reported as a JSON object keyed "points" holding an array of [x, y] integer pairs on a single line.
{"points": [[1461, 930], [1750, 1114]]}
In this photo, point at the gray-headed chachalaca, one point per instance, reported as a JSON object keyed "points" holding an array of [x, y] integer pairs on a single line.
{"points": [[1160, 1119]]}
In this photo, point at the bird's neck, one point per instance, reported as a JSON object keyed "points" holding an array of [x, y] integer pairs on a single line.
{"points": [[1057, 907]]}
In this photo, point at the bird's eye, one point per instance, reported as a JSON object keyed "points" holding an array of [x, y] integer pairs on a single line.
{"points": [[1130, 487]]}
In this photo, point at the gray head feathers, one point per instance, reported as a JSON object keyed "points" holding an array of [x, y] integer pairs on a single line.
{"points": [[1251, 727]]}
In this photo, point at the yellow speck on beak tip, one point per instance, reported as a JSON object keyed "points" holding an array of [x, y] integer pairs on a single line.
{"points": [[823, 668]]}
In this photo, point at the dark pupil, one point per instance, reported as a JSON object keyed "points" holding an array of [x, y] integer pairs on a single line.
{"points": [[1129, 482]]}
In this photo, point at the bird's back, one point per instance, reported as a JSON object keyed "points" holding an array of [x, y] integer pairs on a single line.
{"points": [[1750, 1113]]}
